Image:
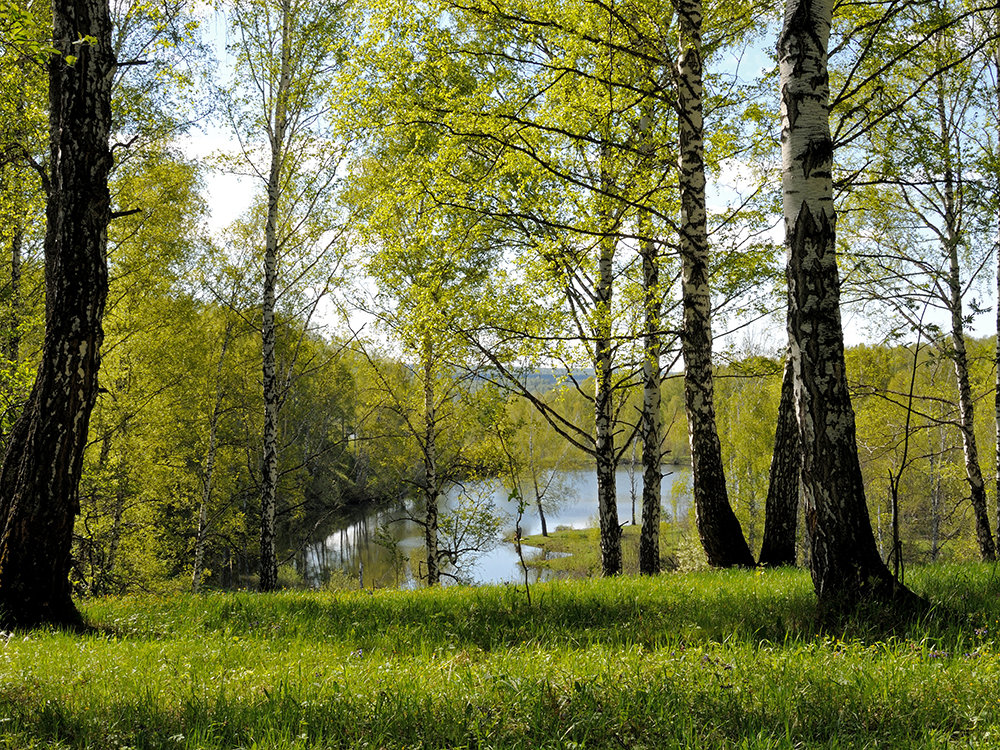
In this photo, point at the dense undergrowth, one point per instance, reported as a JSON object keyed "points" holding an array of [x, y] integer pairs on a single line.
{"points": [[717, 659]]}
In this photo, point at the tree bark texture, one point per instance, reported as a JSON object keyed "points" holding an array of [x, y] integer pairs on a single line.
{"points": [[604, 446], [651, 428], [782, 506], [967, 415], [430, 469], [269, 463], [41, 468], [720, 531], [844, 559]]}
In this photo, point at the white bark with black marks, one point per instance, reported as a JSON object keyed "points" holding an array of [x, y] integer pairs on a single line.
{"points": [[844, 559], [720, 531], [651, 428], [959, 355], [604, 443], [431, 490]]}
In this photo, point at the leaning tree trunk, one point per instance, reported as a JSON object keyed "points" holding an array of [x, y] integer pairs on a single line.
{"points": [[844, 559], [269, 464], [720, 531], [41, 469], [959, 356], [967, 413], [782, 506]]}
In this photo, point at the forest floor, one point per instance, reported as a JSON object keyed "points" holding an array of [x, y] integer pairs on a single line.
{"points": [[705, 659]]}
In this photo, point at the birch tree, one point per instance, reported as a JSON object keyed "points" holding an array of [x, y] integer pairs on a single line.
{"points": [[718, 526], [924, 235], [844, 559], [285, 56], [41, 468]]}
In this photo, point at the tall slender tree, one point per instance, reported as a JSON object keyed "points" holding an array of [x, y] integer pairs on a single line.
{"points": [[286, 51], [718, 526]]}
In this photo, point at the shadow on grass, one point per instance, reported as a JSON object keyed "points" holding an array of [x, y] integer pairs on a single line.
{"points": [[675, 711], [748, 606]]}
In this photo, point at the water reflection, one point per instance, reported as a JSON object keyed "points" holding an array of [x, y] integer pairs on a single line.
{"points": [[383, 547]]}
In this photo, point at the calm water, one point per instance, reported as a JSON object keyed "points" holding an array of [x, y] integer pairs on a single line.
{"points": [[380, 543]]}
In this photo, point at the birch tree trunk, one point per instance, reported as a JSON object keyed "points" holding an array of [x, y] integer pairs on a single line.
{"points": [[967, 413], [539, 492], [651, 429], [844, 559], [269, 465], [430, 468], [604, 446], [41, 469], [720, 531], [782, 506], [958, 353]]}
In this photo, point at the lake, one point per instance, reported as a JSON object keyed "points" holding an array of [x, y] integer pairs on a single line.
{"points": [[379, 544]]}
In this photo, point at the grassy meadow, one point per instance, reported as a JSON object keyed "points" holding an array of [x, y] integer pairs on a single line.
{"points": [[705, 659]]}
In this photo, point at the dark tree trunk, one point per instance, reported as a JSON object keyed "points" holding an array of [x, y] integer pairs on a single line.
{"points": [[651, 428], [652, 441], [844, 561], [782, 506], [720, 531], [41, 469], [431, 482], [604, 422]]}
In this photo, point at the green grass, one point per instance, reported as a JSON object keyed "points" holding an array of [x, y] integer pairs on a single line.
{"points": [[580, 550], [714, 659]]}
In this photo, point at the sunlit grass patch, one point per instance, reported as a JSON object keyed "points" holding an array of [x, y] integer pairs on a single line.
{"points": [[708, 659]]}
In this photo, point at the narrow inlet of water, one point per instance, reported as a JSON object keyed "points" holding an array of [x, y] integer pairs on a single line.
{"points": [[378, 546]]}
